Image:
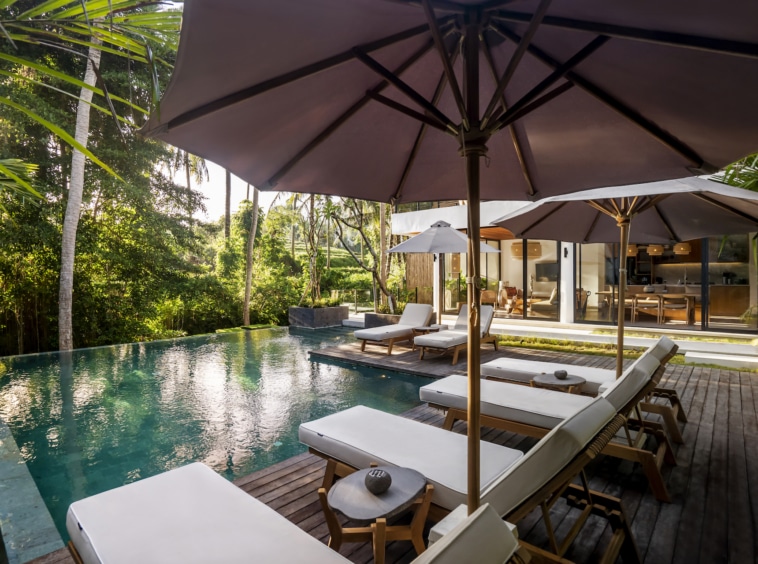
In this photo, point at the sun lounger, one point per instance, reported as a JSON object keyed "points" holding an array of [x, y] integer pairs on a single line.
{"points": [[456, 339], [534, 411], [522, 371], [414, 315], [512, 483], [192, 515]]}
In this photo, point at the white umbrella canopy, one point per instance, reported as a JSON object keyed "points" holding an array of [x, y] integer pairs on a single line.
{"points": [[440, 238], [373, 99], [657, 212]]}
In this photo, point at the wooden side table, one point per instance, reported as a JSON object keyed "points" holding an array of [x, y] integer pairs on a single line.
{"points": [[350, 497], [570, 384]]}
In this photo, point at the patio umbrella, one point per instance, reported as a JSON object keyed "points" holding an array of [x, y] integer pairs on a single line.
{"points": [[373, 99], [662, 212], [440, 238]]}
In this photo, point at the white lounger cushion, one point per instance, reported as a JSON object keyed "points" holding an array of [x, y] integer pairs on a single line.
{"points": [[554, 451], [459, 334], [187, 515], [414, 315], [360, 435], [535, 406], [192, 514], [531, 406], [442, 340], [597, 379], [634, 378], [519, 370], [482, 537]]}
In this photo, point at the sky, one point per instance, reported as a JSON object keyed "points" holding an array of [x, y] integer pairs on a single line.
{"points": [[215, 192]]}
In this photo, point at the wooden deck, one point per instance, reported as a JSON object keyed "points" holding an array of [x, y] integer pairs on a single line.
{"points": [[714, 513]]}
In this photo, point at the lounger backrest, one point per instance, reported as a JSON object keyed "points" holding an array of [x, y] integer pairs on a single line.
{"points": [[548, 457], [664, 349], [461, 322], [634, 378], [488, 312], [482, 537], [416, 315]]}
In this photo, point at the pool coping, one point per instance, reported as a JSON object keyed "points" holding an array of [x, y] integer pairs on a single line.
{"points": [[26, 526]]}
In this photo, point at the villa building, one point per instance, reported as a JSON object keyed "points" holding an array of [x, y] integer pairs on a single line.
{"points": [[704, 284]]}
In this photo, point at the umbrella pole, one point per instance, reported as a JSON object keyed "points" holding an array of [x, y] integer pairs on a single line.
{"points": [[440, 286], [474, 336], [623, 224], [473, 147]]}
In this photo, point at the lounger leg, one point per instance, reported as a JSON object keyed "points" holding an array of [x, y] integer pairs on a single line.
{"points": [[335, 529], [421, 354], [363, 345], [669, 419], [389, 346], [419, 520], [676, 405], [379, 534]]}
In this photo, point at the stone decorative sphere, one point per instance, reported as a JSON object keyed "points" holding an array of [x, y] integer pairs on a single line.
{"points": [[560, 374], [378, 481]]}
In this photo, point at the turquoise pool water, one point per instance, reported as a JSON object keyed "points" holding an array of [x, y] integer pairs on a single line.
{"points": [[99, 418]]}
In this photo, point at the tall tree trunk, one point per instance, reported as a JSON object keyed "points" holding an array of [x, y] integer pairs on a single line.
{"points": [[188, 173], [74, 206], [249, 258], [228, 214]]}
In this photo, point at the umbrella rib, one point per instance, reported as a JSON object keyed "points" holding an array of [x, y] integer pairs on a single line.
{"points": [[420, 136], [446, 64], [598, 205], [428, 120], [723, 206], [511, 128], [521, 49], [556, 75], [401, 85], [292, 76], [591, 228], [614, 103], [326, 132], [512, 117], [722, 46], [665, 223], [536, 222]]}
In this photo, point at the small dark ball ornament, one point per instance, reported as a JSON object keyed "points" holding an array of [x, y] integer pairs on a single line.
{"points": [[378, 481], [560, 374]]}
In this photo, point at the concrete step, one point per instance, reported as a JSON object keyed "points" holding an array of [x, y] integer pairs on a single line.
{"points": [[728, 360]]}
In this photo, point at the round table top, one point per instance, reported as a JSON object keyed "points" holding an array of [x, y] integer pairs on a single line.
{"points": [[549, 379], [350, 497]]}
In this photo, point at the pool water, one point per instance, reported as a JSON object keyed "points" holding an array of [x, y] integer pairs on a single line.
{"points": [[95, 419]]}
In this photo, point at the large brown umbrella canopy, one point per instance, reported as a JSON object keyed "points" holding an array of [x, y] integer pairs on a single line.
{"points": [[375, 99]]}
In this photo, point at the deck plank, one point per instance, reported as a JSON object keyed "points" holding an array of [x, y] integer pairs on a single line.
{"points": [[713, 514]]}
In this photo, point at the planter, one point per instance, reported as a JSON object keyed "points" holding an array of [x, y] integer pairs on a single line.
{"points": [[313, 318], [379, 319]]}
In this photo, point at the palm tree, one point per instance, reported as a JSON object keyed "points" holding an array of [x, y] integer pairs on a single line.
{"points": [[126, 28], [87, 29], [194, 168]]}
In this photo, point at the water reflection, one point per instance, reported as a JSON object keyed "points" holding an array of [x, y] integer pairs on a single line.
{"points": [[95, 419]]}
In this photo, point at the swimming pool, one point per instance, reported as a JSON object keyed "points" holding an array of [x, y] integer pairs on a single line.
{"points": [[99, 418]]}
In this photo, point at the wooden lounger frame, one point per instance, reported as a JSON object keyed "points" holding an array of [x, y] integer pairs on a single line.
{"points": [[636, 431], [386, 342], [487, 338], [559, 486]]}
